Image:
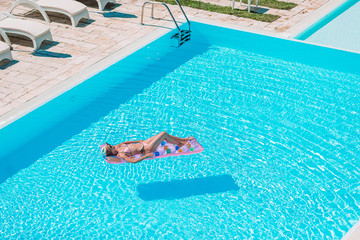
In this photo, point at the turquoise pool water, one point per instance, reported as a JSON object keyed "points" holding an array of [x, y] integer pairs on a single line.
{"points": [[280, 132], [340, 28]]}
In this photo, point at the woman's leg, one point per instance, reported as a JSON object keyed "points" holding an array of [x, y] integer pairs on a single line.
{"points": [[155, 141], [152, 138]]}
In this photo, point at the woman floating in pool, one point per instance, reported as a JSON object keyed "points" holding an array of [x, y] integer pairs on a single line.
{"points": [[145, 147]]}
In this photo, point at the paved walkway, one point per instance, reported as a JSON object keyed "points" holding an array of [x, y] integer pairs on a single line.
{"points": [[75, 49]]}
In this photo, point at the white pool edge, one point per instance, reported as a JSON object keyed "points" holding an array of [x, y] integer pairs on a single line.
{"points": [[313, 18], [353, 233]]}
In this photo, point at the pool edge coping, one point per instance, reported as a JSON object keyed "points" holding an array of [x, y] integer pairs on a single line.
{"points": [[353, 233], [312, 18], [320, 14]]}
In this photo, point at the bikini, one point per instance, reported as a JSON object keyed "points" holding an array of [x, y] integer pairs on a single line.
{"points": [[127, 150]]}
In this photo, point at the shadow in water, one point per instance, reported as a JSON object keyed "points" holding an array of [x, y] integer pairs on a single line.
{"points": [[186, 188], [118, 15], [40, 53]]}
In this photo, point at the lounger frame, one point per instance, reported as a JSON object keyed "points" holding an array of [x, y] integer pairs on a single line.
{"points": [[75, 19], [36, 40]]}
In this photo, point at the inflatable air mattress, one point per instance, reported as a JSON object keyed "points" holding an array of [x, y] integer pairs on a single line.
{"points": [[165, 149]]}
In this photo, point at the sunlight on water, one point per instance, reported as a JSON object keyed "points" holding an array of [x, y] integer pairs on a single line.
{"points": [[281, 138]]}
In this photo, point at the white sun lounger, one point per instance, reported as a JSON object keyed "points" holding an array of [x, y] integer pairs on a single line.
{"points": [[36, 31], [4, 47], [74, 10]]}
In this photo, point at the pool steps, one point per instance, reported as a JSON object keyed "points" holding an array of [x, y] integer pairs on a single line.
{"points": [[182, 35]]}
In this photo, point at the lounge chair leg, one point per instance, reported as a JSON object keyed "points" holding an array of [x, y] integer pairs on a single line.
{"points": [[101, 5], [6, 55], [73, 22], [10, 56], [37, 42], [76, 19]]}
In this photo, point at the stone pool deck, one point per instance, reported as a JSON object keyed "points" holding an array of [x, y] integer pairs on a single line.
{"points": [[33, 74]]}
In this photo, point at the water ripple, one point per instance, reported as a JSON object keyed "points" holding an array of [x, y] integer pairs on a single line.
{"points": [[287, 133]]}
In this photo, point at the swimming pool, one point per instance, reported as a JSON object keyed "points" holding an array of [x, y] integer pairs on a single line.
{"points": [[278, 119], [339, 28]]}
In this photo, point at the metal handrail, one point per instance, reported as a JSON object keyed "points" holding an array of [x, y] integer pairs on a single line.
{"points": [[180, 33], [183, 13], [152, 12]]}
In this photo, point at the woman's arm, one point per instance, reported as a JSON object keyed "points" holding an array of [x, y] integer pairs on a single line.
{"points": [[113, 159]]}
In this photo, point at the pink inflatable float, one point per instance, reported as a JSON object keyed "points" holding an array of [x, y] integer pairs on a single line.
{"points": [[165, 149]]}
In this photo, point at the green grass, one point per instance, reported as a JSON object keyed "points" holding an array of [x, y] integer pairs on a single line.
{"points": [[273, 4], [225, 10]]}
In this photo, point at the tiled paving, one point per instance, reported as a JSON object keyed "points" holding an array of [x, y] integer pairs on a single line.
{"points": [[75, 49]]}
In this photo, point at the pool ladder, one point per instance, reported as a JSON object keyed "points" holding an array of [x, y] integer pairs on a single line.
{"points": [[182, 35]]}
